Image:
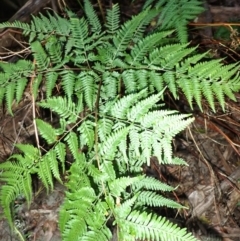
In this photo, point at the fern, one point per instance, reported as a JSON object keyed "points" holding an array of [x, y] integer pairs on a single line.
{"points": [[105, 84], [175, 14]]}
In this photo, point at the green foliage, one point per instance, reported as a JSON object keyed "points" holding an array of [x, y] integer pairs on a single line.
{"points": [[111, 79], [176, 14]]}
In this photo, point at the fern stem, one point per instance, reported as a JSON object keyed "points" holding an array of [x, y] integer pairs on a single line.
{"points": [[96, 131], [34, 110], [19, 234]]}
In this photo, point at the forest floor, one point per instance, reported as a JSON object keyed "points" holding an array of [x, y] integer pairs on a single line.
{"points": [[209, 186]]}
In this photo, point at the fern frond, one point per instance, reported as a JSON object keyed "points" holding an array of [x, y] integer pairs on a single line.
{"points": [[30, 152], [87, 136], [54, 48], [60, 149], [46, 131], [126, 33], [53, 163], [9, 95], [42, 60], [17, 24], [153, 199], [86, 84], [140, 50], [112, 17], [2, 94], [111, 85], [104, 128], [79, 29], [109, 147], [9, 194], [65, 108], [143, 107], [92, 17], [151, 183], [73, 144], [121, 107], [20, 87], [119, 185], [68, 82], [175, 14], [150, 227], [72, 220], [51, 79], [44, 172]]}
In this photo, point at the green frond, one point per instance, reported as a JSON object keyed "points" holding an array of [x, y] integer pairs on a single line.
{"points": [[176, 14], [121, 107], [102, 234], [153, 117], [2, 94], [60, 149], [179, 161], [172, 58], [146, 140], [16, 174], [40, 55], [9, 194], [20, 87], [113, 18], [54, 48], [147, 3], [79, 30], [9, 95], [92, 17], [140, 50], [73, 144], [190, 60], [26, 184], [108, 170], [144, 23], [30, 152], [143, 107], [206, 87], [53, 163], [109, 147], [42, 26], [86, 84], [51, 79], [150, 227], [68, 82], [72, 220], [119, 185], [126, 33], [104, 128], [46, 131], [111, 85], [59, 24], [63, 107], [219, 93], [17, 24], [87, 134], [170, 79], [129, 80], [44, 173], [159, 56], [151, 183], [153, 199]]}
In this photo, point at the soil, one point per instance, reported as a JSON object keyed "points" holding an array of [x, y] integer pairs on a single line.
{"points": [[209, 186]]}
